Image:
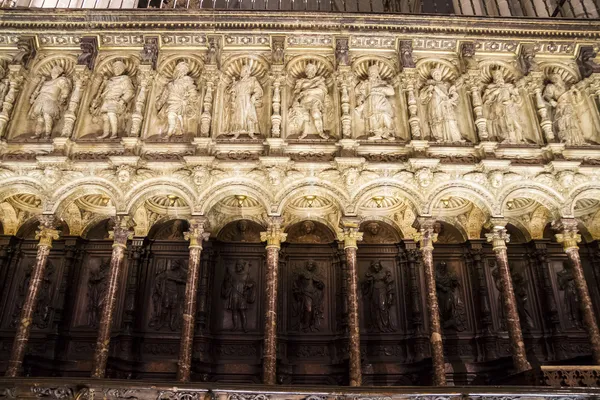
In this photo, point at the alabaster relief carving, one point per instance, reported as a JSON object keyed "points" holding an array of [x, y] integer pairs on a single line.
{"points": [[245, 95], [48, 100], [110, 106], [374, 108], [307, 288], [239, 292]]}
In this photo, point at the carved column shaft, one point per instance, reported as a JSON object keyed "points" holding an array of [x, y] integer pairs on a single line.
{"points": [[274, 236], [474, 83], [277, 76], [80, 79], [535, 86], [410, 81], [569, 238], [499, 238], [121, 234], [15, 82], [146, 74], [345, 79], [46, 234], [196, 236]]}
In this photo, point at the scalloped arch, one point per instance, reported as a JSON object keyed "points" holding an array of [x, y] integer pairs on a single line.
{"points": [[583, 192], [478, 195], [547, 197], [67, 194], [157, 188], [131, 62], [209, 198], [316, 188], [425, 65], [43, 66], [387, 68], [412, 196], [23, 188], [168, 63]]}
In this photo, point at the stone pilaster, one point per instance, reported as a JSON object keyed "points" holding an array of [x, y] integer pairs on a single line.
{"points": [[569, 238], [350, 236], [426, 236], [274, 236], [46, 233], [498, 237], [121, 233]]}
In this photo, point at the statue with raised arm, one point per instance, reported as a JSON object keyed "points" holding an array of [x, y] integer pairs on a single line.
{"points": [[564, 100], [503, 101], [309, 104], [178, 101], [374, 106], [245, 95], [47, 101], [112, 99]]}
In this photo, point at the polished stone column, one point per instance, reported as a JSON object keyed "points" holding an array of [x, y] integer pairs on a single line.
{"points": [[46, 233], [121, 233], [274, 236], [498, 237], [426, 236], [350, 236], [569, 238], [196, 236]]}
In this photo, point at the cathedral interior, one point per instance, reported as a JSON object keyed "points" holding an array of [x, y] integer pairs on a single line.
{"points": [[299, 199]]}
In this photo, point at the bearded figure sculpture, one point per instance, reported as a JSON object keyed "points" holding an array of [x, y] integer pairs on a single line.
{"points": [[374, 106], [564, 100], [178, 101], [112, 99], [47, 101], [245, 95], [503, 101]]}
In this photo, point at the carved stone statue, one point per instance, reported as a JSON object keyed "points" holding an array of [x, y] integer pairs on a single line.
{"points": [[95, 296], [308, 297], [452, 307], [47, 101], [4, 84], [244, 96], [564, 100], [375, 233], [374, 107], [378, 290], [178, 101], [566, 283], [441, 99], [167, 296], [503, 102], [43, 306], [112, 99], [310, 104], [238, 290], [520, 289]]}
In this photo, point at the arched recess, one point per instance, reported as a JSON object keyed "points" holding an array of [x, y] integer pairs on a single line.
{"points": [[98, 230], [236, 207], [462, 214], [84, 208], [228, 189], [18, 209], [29, 228], [475, 194], [587, 212], [171, 229], [241, 230], [310, 232], [545, 196], [379, 231], [530, 216]]}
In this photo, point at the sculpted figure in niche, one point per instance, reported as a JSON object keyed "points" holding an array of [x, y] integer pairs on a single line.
{"points": [[242, 232], [520, 289], [245, 95], [452, 307], [4, 84], [376, 234], [47, 101], [238, 290], [112, 99], [43, 307], [167, 296], [378, 290], [441, 98], [309, 104], [566, 283], [564, 100], [308, 233], [503, 102], [308, 295], [374, 107], [178, 101], [96, 289]]}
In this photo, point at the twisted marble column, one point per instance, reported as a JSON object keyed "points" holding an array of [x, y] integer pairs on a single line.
{"points": [[274, 236], [498, 237], [569, 238], [121, 233], [350, 236], [196, 236], [46, 233], [426, 236]]}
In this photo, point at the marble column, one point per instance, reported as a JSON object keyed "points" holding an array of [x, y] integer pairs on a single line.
{"points": [[46, 233], [350, 236], [120, 233], [426, 236], [274, 236], [196, 236], [498, 237], [569, 238]]}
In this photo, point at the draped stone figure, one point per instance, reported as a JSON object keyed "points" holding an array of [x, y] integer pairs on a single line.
{"points": [[521, 295], [168, 295], [95, 295], [441, 99], [4, 84], [374, 106], [378, 290], [47, 101], [503, 101], [245, 96], [112, 99], [308, 297], [566, 283], [310, 104], [452, 307], [43, 306], [178, 101], [238, 291], [564, 101]]}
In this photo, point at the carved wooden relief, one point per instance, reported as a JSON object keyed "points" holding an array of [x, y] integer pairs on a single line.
{"points": [[376, 232], [242, 230], [309, 232]]}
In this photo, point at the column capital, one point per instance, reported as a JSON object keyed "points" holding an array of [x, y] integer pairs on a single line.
{"points": [[568, 236], [196, 234], [350, 234], [426, 235], [498, 237], [274, 235], [122, 230], [47, 231]]}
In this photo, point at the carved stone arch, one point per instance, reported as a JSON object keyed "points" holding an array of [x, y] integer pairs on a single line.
{"points": [[310, 231], [547, 197], [321, 188], [476, 194], [97, 229], [385, 188], [227, 188], [43, 66], [14, 186], [295, 67], [259, 66], [509, 70], [523, 231], [425, 65], [387, 68], [168, 63], [581, 193], [449, 232], [380, 230], [568, 72], [244, 230], [9, 218], [28, 228], [65, 195], [140, 193], [169, 227]]}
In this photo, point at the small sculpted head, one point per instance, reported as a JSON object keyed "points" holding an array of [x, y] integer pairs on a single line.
{"points": [[308, 227], [437, 74], [310, 70], [373, 228], [56, 71], [118, 67]]}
